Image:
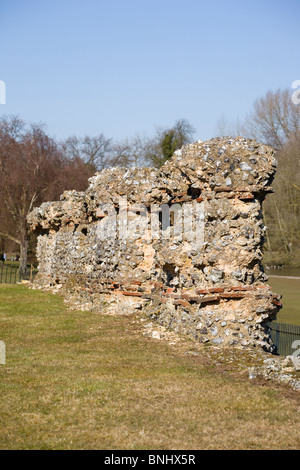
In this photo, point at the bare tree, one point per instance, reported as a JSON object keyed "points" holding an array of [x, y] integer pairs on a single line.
{"points": [[282, 209], [275, 118], [130, 152], [94, 151], [32, 170], [230, 128]]}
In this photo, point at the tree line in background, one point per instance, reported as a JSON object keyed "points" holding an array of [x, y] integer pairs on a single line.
{"points": [[35, 168], [275, 120]]}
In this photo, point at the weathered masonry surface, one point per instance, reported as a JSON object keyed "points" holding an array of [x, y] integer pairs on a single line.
{"points": [[204, 280]]}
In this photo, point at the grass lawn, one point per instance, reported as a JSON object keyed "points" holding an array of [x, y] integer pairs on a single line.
{"points": [[82, 380], [290, 291]]}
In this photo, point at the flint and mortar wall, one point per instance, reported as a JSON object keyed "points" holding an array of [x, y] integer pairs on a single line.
{"points": [[211, 288]]}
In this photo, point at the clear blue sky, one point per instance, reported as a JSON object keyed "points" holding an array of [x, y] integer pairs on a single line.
{"points": [[124, 67]]}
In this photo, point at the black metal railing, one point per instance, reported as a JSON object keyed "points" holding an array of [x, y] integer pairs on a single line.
{"points": [[286, 338], [12, 274]]}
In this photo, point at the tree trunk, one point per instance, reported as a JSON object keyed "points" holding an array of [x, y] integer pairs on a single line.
{"points": [[24, 253], [287, 244], [267, 232]]}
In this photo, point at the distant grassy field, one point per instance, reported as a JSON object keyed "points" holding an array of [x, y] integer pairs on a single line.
{"points": [[81, 380], [290, 291]]}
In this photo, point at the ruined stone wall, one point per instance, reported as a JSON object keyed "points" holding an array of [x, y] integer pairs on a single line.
{"points": [[198, 271]]}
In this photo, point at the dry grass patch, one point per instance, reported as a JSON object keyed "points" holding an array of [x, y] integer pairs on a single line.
{"points": [[81, 380]]}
